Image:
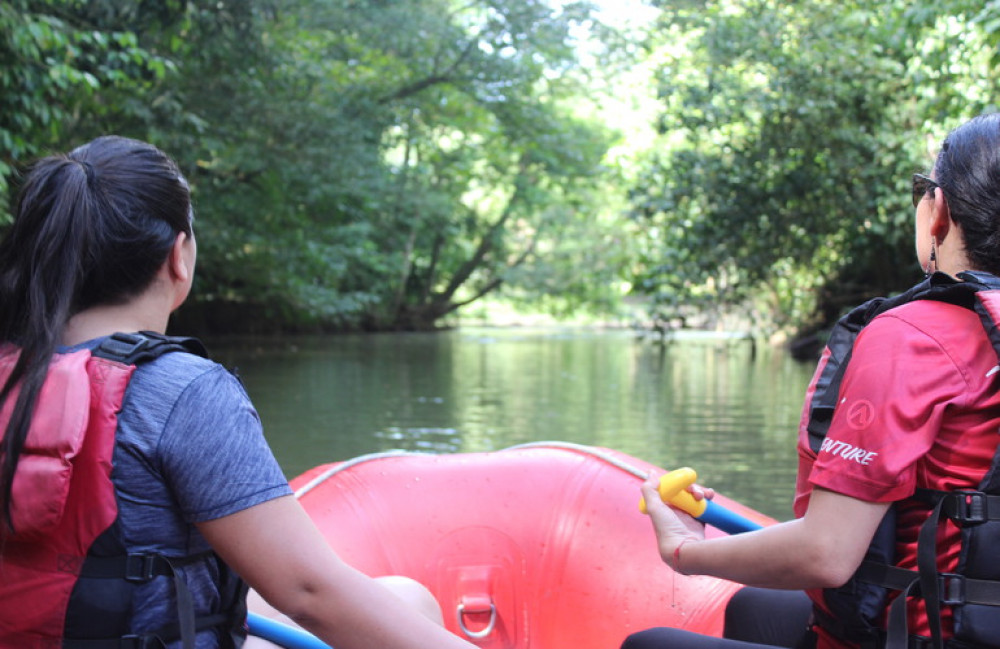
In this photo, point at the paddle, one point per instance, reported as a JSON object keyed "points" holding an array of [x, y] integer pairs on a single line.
{"points": [[673, 491], [282, 634]]}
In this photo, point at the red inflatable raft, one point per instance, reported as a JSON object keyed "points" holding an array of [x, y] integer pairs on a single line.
{"points": [[539, 546]]}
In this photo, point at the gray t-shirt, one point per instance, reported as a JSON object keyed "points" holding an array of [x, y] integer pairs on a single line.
{"points": [[189, 448]]}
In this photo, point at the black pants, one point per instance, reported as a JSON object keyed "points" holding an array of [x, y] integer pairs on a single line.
{"points": [[756, 618]]}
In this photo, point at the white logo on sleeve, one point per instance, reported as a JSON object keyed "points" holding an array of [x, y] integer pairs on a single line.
{"points": [[848, 452]]}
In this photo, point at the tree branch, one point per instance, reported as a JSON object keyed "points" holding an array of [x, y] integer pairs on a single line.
{"points": [[433, 79]]}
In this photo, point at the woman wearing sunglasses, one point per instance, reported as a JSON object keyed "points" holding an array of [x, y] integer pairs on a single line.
{"points": [[896, 539]]}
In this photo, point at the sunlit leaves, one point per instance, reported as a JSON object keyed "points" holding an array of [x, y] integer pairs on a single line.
{"points": [[61, 65], [427, 148], [786, 131]]}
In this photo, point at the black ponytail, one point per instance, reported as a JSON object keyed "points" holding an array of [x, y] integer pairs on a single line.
{"points": [[90, 228]]}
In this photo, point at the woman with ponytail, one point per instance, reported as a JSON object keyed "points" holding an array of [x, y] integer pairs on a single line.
{"points": [[137, 494], [80, 241]]}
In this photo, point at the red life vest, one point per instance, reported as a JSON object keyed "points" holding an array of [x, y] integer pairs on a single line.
{"points": [[65, 577]]}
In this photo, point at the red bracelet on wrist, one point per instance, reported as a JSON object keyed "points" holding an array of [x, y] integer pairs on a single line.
{"points": [[677, 557]]}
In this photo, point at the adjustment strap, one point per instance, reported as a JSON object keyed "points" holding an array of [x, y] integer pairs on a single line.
{"points": [[881, 574], [143, 567], [185, 612], [897, 636], [927, 567], [971, 507], [952, 589], [137, 566]]}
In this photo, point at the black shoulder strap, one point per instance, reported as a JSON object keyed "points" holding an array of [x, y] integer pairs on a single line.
{"points": [[840, 345], [938, 287], [144, 346]]}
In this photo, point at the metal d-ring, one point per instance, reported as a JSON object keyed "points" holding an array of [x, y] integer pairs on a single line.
{"points": [[477, 635]]}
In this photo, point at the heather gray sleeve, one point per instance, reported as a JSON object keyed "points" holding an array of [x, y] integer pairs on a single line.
{"points": [[213, 453]]}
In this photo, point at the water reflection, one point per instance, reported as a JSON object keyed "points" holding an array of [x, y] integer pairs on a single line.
{"points": [[712, 405]]}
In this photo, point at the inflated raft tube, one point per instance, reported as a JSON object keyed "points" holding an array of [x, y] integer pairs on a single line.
{"points": [[541, 545]]}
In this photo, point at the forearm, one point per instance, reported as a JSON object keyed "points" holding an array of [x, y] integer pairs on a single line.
{"points": [[775, 557], [282, 555], [820, 550], [343, 616]]}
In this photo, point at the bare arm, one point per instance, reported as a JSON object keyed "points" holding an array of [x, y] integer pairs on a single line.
{"points": [[278, 550], [820, 550]]}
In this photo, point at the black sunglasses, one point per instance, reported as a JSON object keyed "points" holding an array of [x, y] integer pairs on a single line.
{"points": [[921, 185]]}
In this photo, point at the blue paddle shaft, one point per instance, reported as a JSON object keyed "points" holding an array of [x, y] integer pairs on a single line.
{"points": [[726, 520], [281, 634]]}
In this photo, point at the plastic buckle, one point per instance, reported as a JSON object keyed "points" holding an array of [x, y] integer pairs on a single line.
{"points": [[952, 588], [131, 341], [970, 508], [140, 567], [124, 345]]}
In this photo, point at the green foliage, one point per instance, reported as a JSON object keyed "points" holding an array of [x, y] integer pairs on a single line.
{"points": [[378, 165], [354, 163], [789, 134], [61, 60]]}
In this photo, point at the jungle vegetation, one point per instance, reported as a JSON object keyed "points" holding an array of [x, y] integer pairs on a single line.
{"points": [[387, 164]]}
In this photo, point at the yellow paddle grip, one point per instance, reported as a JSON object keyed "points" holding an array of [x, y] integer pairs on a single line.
{"points": [[673, 491]]}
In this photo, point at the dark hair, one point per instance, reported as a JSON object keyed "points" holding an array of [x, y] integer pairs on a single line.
{"points": [[91, 227], [968, 170]]}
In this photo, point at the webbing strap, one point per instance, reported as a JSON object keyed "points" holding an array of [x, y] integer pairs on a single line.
{"points": [[137, 566], [185, 611], [964, 507], [952, 589], [898, 634], [134, 348], [141, 568]]}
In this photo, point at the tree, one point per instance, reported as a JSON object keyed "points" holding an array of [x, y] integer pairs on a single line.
{"points": [[790, 134], [354, 164], [393, 161], [61, 60]]}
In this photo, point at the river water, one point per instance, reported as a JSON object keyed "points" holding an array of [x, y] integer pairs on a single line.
{"points": [[719, 405]]}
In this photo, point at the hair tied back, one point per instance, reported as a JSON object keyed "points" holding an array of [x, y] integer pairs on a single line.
{"points": [[88, 170]]}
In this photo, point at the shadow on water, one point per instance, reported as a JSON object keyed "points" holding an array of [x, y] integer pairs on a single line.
{"points": [[715, 405]]}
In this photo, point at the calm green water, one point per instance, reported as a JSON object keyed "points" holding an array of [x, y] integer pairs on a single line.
{"points": [[713, 405]]}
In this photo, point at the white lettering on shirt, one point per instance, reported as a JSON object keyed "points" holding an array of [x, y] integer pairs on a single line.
{"points": [[848, 452]]}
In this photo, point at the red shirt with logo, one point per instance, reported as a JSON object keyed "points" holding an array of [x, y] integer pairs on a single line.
{"points": [[918, 407]]}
